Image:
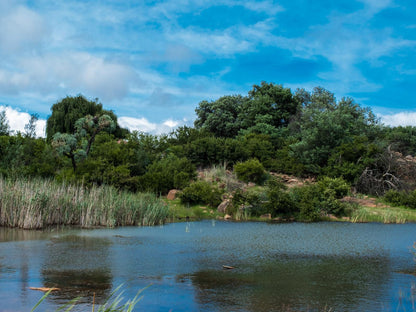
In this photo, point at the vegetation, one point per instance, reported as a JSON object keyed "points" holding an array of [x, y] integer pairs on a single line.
{"points": [[38, 203], [244, 138]]}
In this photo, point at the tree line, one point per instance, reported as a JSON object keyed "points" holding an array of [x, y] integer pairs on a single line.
{"points": [[301, 133]]}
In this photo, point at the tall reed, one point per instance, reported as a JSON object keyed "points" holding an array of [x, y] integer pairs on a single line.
{"points": [[38, 203]]}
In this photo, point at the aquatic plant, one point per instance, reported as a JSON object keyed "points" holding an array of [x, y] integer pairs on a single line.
{"points": [[38, 203], [114, 302]]}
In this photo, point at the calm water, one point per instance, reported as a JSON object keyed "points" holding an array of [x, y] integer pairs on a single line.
{"points": [[278, 267]]}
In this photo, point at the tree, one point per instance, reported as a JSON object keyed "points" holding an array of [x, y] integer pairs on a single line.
{"points": [[30, 127], [4, 124], [325, 125], [66, 112], [77, 146], [221, 117], [270, 104]]}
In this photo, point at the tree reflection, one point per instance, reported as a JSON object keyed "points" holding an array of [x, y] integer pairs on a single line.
{"points": [[79, 266], [297, 284]]}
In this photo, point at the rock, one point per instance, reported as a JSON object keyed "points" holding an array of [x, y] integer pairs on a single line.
{"points": [[172, 194], [227, 217], [266, 216], [222, 208]]}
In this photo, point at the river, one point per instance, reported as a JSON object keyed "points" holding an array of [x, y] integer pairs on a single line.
{"points": [[327, 266]]}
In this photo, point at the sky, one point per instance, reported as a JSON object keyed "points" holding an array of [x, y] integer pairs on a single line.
{"points": [[152, 62]]}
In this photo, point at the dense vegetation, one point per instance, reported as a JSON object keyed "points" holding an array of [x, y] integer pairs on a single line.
{"points": [[337, 143]]}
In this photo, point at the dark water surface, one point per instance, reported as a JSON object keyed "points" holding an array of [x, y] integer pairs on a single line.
{"points": [[278, 267]]}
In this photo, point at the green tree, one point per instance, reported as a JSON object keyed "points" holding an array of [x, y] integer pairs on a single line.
{"points": [[77, 146], [269, 104], [325, 124], [221, 117], [4, 124], [30, 127], [66, 112]]}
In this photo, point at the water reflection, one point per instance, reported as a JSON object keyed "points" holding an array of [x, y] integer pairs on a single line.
{"points": [[297, 284], [295, 267], [79, 266]]}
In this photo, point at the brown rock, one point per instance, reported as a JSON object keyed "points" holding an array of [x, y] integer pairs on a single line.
{"points": [[266, 216], [227, 217], [172, 194]]}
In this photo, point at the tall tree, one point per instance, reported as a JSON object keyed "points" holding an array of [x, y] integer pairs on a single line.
{"points": [[66, 112], [77, 146], [4, 124], [325, 124], [221, 117], [30, 127]]}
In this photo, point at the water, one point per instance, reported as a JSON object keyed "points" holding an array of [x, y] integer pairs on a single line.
{"points": [[278, 267]]}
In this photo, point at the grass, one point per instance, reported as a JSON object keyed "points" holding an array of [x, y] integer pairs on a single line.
{"points": [[383, 214], [179, 211], [113, 304], [39, 203]]}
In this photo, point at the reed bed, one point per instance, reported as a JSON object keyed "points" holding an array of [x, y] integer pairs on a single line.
{"points": [[39, 203]]}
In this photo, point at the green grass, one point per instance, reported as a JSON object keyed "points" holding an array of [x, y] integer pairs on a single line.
{"points": [[39, 203], [383, 214], [113, 304], [179, 211]]}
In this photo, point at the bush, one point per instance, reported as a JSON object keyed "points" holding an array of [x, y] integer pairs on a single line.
{"points": [[250, 171], [168, 173], [279, 200], [201, 192], [253, 201], [401, 198], [335, 187]]}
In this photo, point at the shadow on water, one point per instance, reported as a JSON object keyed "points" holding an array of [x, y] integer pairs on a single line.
{"points": [[296, 284], [79, 267]]}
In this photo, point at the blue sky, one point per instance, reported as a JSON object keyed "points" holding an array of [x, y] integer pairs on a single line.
{"points": [[152, 62]]}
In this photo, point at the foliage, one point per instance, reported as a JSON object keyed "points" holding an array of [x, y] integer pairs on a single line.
{"points": [[201, 192], [221, 117], [325, 124], [35, 204], [77, 146], [279, 200], [168, 173], [4, 124], [250, 171], [30, 127], [67, 111], [401, 198]]}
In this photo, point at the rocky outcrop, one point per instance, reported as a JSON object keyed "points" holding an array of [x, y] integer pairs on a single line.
{"points": [[172, 194], [222, 208]]}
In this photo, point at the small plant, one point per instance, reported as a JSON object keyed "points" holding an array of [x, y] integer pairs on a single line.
{"points": [[250, 171], [113, 304], [201, 192]]}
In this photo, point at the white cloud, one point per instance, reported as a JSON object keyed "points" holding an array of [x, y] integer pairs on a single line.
{"points": [[17, 121], [67, 73], [399, 119], [143, 125], [21, 29]]}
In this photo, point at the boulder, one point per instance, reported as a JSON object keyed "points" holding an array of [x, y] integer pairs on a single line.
{"points": [[266, 216], [227, 217], [172, 194]]}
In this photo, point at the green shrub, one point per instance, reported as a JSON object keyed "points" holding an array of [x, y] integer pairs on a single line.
{"points": [[250, 171], [336, 187], [253, 201], [168, 173], [396, 198], [279, 200], [201, 192]]}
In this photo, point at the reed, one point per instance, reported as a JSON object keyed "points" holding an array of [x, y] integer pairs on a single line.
{"points": [[39, 203]]}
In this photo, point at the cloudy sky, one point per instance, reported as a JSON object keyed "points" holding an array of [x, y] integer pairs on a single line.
{"points": [[152, 61]]}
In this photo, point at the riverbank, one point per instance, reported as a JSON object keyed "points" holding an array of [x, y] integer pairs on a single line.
{"points": [[363, 209]]}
